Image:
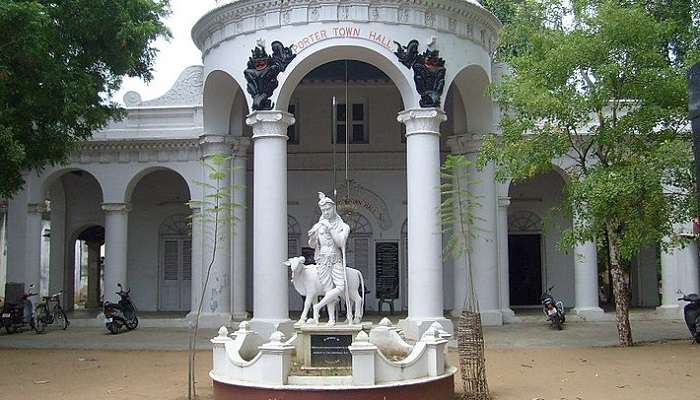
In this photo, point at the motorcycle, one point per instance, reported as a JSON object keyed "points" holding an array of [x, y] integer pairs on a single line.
{"points": [[553, 309], [121, 314], [691, 313], [18, 314]]}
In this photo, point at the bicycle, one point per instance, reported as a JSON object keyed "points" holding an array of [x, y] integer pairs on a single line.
{"points": [[49, 311]]}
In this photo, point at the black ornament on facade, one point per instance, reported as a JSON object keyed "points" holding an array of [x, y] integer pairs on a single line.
{"points": [[428, 72], [262, 72]]}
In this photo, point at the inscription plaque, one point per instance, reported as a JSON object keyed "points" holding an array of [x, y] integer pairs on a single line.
{"points": [[331, 351]]}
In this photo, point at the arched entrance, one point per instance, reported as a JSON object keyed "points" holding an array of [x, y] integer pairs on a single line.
{"points": [[74, 227], [534, 231], [89, 268], [160, 274]]}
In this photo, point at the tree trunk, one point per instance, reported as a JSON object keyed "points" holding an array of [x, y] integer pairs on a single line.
{"points": [[621, 289]]}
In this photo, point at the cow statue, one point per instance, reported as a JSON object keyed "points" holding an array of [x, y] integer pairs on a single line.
{"points": [[306, 282]]}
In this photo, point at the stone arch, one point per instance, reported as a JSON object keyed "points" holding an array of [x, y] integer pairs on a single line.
{"points": [[136, 178], [219, 94], [51, 178], [524, 221], [177, 224], [471, 82], [339, 49], [359, 224], [505, 187]]}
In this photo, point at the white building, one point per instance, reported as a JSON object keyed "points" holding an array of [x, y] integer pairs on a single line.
{"points": [[129, 185]]}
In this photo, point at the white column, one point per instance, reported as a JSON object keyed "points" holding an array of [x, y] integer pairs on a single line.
{"points": [[503, 271], [196, 283], [239, 246], [586, 281], [116, 234], [270, 301], [679, 271], [425, 286], [32, 271], [216, 242], [484, 243]]}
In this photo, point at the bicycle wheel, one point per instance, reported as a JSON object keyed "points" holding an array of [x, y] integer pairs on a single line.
{"points": [[60, 319]]}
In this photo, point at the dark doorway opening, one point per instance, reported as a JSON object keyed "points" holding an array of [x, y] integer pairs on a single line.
{"points": [[525, 269]]}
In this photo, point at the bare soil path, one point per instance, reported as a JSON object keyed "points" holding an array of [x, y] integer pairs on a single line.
{"points": [[665, 370]]}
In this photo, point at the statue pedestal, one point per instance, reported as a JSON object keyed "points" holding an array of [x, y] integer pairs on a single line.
{"points": [[326, 347]]}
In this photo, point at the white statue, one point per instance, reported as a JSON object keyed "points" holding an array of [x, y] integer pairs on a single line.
{"points": [[328, 237], [306, 282]]}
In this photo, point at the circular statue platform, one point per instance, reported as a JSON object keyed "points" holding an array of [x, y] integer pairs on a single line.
{"points": [[434, 388]]}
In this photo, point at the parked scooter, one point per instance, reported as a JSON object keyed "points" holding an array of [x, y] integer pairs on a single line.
{"points": [[17, 315], [121, 314], [691, 313], [553, 309]]}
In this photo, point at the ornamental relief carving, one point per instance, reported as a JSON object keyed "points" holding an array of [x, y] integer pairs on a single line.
{"points": [[138, 151], [456, 17], [187, 90]]}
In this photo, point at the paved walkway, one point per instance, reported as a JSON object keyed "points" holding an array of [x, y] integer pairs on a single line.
{"points": [[532, 332]]}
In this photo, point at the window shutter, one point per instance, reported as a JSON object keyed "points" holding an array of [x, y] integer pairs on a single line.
{"points": [[187, 260], [170, 260]]}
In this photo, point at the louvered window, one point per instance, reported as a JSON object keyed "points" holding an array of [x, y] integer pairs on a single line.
{"points": [[170, 260], [187, 260]]}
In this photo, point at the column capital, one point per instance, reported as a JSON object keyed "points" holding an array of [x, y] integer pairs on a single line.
{"points": [[211, 144], [422, 120], [270, 123], [464, 143], [117, 208], [503, 201], [38, 208], [240, 147]]}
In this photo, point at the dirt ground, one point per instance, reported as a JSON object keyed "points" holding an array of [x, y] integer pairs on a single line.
{"points": [[667, 371]]}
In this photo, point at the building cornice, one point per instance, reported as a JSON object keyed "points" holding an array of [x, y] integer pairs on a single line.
{"points": [[124, 151], [464, 19]]}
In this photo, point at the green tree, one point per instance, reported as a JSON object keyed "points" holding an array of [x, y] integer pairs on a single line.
{"points": [[59, 61], [462, 225], [216, 214], [602, 83]]}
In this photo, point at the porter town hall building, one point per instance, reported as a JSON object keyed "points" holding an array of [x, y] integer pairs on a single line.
{"points": [[361, 100]]}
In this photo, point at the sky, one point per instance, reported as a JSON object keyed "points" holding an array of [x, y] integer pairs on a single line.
{"points": [[174, 55]]}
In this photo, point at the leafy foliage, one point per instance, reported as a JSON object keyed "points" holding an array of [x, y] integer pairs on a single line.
{"points": [[58, 61], [596, 83], [602, 84], [457, 215], [216, 213]]}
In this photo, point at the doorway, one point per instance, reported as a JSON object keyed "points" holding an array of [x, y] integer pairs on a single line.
{"points": [[525, 269], [175, 276]]}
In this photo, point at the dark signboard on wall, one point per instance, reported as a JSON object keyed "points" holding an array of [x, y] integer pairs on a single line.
{"points": [[387, 266]]}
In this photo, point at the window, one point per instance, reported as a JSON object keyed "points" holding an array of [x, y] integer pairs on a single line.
{"points": [[358, 130], [292, 129]]}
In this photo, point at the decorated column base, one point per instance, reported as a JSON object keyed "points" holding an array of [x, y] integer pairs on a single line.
{"points": [[240, 316], [590, 313], [265, 327], [509, 316], [414, 328], [669, 311], [210, 320]]}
